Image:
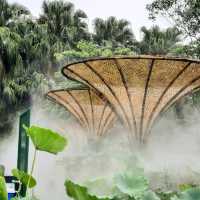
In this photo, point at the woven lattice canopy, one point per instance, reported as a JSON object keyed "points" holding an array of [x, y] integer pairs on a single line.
{"points": [[92, 112], [138, 88]]}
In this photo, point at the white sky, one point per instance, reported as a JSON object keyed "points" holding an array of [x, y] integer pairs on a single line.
{"points": [[132, 10]]}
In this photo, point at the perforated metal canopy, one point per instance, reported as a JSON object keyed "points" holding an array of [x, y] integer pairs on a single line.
{"points": [[91, 111], [138, 88]]}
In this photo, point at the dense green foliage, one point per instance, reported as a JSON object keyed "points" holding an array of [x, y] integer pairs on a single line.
{"points": [[32, 50], [83, 192], [44, 140], [65, 25], [117, 32], [130, 183], [157, 42], [185, 16], [184, 13]]}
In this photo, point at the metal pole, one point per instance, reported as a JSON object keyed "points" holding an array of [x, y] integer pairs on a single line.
{"points": [[23, 146]]}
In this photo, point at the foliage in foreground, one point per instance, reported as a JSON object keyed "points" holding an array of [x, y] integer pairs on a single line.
{"points": [[46, 139], [24, 178], [132, 186], [129, 184], [43, 140]]}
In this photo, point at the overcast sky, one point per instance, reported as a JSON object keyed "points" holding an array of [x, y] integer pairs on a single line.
{"points": [[132, 10]]}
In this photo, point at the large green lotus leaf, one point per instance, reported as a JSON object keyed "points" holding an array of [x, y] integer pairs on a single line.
{"points": [[190, 194], [46, 140], [149, 195], [78, 192], [103, 188], [3, 190], [133, 183], [23, 177]]}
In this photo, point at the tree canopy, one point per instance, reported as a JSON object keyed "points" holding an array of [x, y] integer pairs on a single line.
{"points": [[157, 42], [118, 32], [185, 14]]}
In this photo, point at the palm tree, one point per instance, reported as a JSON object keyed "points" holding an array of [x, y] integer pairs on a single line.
{"points": [[81, 27], [20, 55], [158, 42], [18, 74], [118, 32], [24, 53], [9, 50], [11, 64], [5, 12], [18, 10], [63, 22], [11, 11], [99, 30]]}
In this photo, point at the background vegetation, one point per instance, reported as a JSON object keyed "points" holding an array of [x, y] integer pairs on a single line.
{"points": [[33, 49]]}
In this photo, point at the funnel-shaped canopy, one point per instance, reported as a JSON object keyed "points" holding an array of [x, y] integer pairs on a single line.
{"points": [[92, 112], [138, 88]]}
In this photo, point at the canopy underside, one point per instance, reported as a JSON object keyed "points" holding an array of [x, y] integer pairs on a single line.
{"points": [[93, 113], [138, 89]]}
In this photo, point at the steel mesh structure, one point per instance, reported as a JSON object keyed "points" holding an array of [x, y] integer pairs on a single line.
{"points": [[138, 88], [91, 111]]}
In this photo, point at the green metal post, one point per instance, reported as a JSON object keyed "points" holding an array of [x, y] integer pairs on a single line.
{"points": [[23, 145]]}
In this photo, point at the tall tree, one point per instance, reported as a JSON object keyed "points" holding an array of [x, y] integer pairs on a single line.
{"points": [[158, 42], [34, 47], [9, 12], [63, 22], [10, 58], [5, 12], [118, 32], [24, 52], [184, 13]]}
